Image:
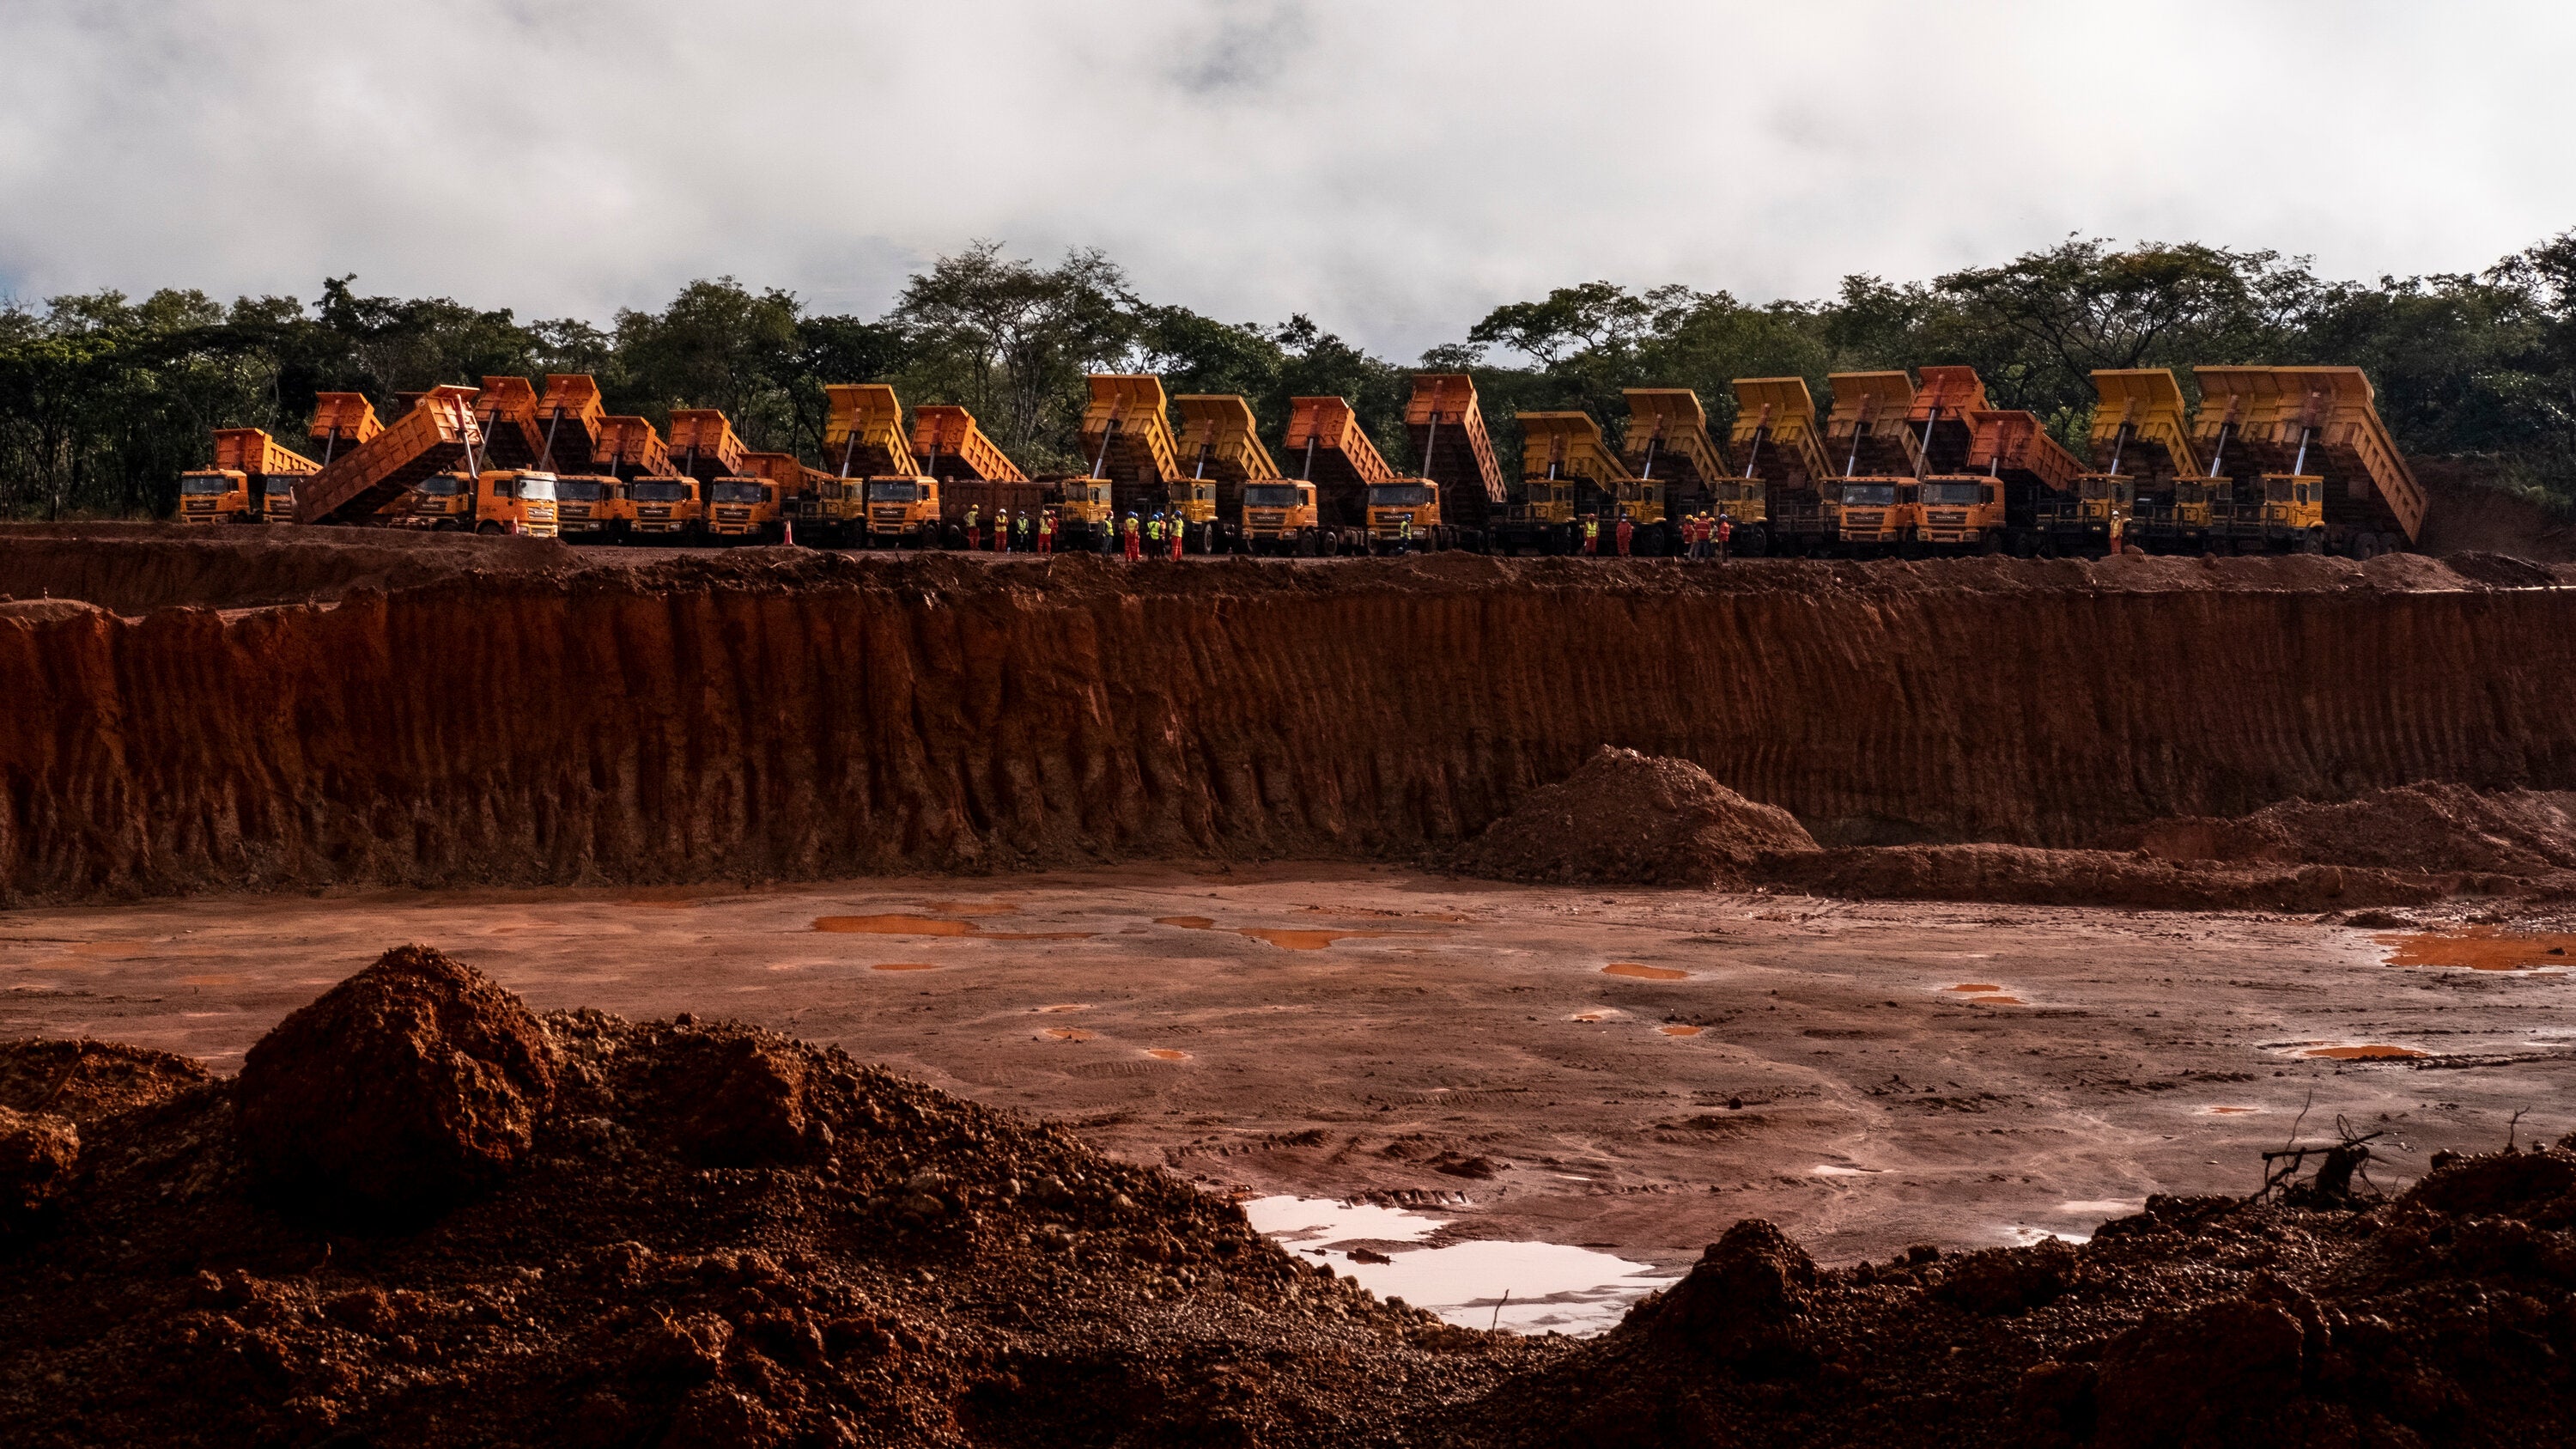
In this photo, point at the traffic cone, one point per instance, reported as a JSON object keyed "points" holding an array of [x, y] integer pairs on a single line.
{"points": [[787, 532]]}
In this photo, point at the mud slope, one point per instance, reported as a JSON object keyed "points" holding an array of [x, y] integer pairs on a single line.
{"points": [[778, 714]]}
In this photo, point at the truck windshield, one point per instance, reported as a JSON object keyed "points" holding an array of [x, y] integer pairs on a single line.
{"points": [[442, 485], [1399, 495], [1869, 495], [895, 492], [279, 487], [730, 491], [1269, 496], [204, 483], [577, 490], [1953, 495], [538, 486], [1087, 493], [653, 490]]}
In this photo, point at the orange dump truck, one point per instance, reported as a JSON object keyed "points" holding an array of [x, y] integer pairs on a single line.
{"points": [[884, 495], [1219, 450], [1127, 436], [2016, 491], [752, 506], [973, 472], [1777, 436], [1446, 427], [374, 477], [590, 506], [660, 502], [2300, 461], [253, 481], [495, 500]]}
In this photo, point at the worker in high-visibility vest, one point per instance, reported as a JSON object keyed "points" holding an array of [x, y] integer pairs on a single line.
{"points": [[1591, 534], [1023, 525], [1404, 530], [974, 530], [1132, 540], [1046, 533], [1178, 524], [1725, 530], [1001, 530]]}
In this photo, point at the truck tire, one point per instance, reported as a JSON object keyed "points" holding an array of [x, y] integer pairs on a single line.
{"points": [[488, 529]]}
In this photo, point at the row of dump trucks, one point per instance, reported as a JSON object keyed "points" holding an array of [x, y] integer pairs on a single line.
{"points": [[2277, 459]]}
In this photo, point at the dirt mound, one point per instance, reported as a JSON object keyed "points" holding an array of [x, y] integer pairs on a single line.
{"points": [[1631, 819], [2021, 875], [86, 1080], [2471, 513], [2442, 1316], [38, 1154], [901, 1267], [411, 1084], [2425, 827]]}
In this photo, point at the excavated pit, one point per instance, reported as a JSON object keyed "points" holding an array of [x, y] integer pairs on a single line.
{"points": [[458, 711]]}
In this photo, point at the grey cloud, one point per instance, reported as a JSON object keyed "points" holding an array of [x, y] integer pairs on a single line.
{"points": [[1392, 170]]}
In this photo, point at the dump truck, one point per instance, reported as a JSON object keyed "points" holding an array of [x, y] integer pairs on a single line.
{"points": [[971, 468], [1776, 434], [2299, 460], [2016, 491], [1282, 518], [493, 500], [1335, 453], [1870, 433], [1219, 450], [1568, 475], [373, 478], [508, 411], [659, 501], [253, 481], [1680, 470], [752, 506], [1128, 438], [703, 444], [589, 506], [880, 495], [1456, 455], [1327, 446], [2145, 469]]}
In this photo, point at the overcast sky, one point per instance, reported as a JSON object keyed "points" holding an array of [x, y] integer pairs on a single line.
{"points": [[1393, 169]]}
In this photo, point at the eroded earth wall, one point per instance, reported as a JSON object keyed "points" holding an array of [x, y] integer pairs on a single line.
{"points": [[735, 719]]}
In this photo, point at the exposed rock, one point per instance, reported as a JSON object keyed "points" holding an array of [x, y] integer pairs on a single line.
{"points": [[86, 1080], [1738, 1297], [2202, 1376], [38, 1155], [2004, 1281], [408, 1086]]}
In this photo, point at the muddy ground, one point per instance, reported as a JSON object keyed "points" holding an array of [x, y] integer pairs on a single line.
{"points": [[1632, 1069]]}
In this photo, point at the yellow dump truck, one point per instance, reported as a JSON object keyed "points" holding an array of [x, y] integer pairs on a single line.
{"points": [[2145, 468], [2299, 461], [1870, 431], [253, 481], [1776, 434], [1570, 476], [1668, 447], [880, 496], [1127, 435], [1220, 450]]}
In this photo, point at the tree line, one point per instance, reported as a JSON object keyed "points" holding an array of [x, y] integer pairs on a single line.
{"points": [[104, 399]]}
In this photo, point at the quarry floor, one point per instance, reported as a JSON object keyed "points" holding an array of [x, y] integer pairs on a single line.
{"points": [[1627, 1069]]}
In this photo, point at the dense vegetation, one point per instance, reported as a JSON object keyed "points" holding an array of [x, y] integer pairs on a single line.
{"points": [[103, 399]]}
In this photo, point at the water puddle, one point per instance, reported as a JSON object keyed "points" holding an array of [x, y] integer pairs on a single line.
{"points": [[1606, 1013], [1033, 935], [1681, 1030], [1066, 1006], [2481, 948], [1995, 1001], [1551, 1287], [1974, 987], [1836, 1169], [903, 966], [2103, 1207], [1644, 973], [1167, 1054], [2229, 1111], [2367, 1052], [1191, 923], [1287, 940], [1066, 1033]]}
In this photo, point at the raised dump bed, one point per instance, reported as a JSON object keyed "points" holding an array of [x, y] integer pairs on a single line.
{"points": [[1776, 435], [1327, 446], [1945, 399], [252, 481], [571, 413], [507, 409], [2313, 423], [1569, 474], [947, 443], [437, 435], [2144, 459], [1127, 437], [630, 447], [704, 445], [252, 452], [1669, 445], [1447, 430], [2044, 506], [863, 435], [342, 421], [1869, 433], [1219, 450]]}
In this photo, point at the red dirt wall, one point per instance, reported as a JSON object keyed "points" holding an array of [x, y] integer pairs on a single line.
{"points": [[745, 717]]}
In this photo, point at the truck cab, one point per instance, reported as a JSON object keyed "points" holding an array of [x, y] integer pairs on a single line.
{"points": [[218, 495], [2089, 517], [1085, 514], [2275, 511], [1280, 518], [903, 510], [592, 506], [666, 505], [1640, 501], [739, 507], [502, 500], [1405, 512], [1876, 513], [1960, 512]]}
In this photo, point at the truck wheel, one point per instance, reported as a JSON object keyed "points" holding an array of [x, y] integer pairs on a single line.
{"points": [[487, 528]]}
